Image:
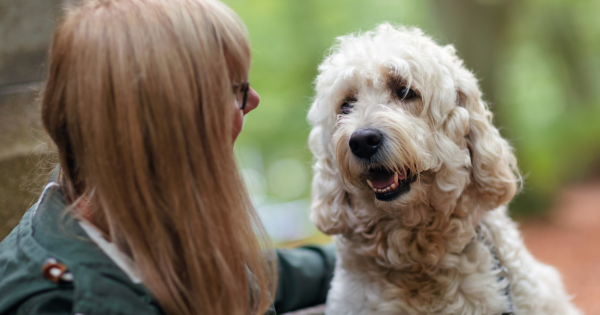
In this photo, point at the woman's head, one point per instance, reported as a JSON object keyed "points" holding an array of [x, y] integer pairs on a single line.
{"points": [[139, 102], [150, 64]]}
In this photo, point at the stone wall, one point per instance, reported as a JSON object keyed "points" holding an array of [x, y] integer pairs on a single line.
{"points": [[26, 28]]}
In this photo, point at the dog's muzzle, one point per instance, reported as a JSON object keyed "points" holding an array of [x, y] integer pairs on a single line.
{"points": [[386, 184]]}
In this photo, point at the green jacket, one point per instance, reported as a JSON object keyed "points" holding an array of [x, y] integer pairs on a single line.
{"points": [[98, 286]]}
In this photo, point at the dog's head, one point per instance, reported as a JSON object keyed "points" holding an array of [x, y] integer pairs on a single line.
{"points": [[398, 123]]}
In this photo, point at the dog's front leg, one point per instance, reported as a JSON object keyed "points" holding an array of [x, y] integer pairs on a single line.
{"points": [[348, 294]]}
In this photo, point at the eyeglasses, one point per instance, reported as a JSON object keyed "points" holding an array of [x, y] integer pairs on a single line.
{"points": [[241, 92]]}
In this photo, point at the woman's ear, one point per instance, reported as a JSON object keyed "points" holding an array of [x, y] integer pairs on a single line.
{"points": [[495, 177], [330, 200]]}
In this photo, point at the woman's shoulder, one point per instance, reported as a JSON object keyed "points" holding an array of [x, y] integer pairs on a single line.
{"points": [[49, 263]]}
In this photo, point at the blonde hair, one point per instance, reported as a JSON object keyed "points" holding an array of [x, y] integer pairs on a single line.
{"points": [[139, 103]]}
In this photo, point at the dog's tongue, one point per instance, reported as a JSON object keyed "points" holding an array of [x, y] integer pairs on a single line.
{"points": [[383, 178]]}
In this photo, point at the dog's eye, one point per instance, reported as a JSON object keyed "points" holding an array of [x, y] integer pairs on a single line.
{"points": [[346, 108], [406, 94]]}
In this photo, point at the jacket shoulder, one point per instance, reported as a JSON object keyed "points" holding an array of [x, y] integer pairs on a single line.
{"points": [[20, 271], [94, 285]]}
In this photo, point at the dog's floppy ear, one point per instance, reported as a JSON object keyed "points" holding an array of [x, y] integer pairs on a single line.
{"points": [[494, 174], [330, 201]]}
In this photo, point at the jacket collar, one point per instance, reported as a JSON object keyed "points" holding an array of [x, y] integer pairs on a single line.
{"points": [[58, 233]]}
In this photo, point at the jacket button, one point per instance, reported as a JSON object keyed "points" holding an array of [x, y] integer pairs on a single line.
{"points": [[56, 271]]}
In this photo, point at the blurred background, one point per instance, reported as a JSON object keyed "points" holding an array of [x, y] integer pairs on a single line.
{"points": [[538, 62]]}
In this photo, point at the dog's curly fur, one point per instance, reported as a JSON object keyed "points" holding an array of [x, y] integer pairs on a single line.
{"points": [[419, 253]]}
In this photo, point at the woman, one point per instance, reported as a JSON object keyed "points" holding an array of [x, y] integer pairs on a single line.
{"points": [[148, 214]]}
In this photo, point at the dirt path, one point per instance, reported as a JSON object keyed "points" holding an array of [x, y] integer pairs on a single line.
{"points": [[570, 241]]}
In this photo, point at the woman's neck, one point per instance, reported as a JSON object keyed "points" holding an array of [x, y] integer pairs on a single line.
{"points": [[91, 216]]}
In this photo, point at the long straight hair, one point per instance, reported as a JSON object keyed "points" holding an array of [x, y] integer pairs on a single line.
{"points": [[139, 103]]}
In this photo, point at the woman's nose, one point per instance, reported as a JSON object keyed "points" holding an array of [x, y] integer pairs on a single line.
{"points": [[252, 100]]}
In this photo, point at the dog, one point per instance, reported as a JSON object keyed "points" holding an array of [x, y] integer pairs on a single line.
{"points": [[413, 179]]}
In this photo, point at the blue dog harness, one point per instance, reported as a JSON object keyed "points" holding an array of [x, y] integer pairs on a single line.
{"points": [[498, 266]]}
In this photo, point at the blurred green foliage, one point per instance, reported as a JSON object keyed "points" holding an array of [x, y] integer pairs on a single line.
{"points": [[538, 62], [547, 92]]}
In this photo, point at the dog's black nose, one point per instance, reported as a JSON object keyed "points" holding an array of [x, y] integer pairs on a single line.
{"points": [[365, 142]]}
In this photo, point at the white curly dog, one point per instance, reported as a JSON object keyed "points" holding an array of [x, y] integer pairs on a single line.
{"points": [[412, 178]]}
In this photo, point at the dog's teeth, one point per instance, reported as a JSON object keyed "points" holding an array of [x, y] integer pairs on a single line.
{"points": [[385, 189], [395, 177]]}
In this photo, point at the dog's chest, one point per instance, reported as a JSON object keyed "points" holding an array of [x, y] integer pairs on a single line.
{"points": [[461, 283]]}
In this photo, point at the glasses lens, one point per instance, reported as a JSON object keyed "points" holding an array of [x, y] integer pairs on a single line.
{"points": [[242, 95]]}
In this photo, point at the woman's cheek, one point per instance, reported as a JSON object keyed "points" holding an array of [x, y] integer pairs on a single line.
{"points": [[238, 123]]}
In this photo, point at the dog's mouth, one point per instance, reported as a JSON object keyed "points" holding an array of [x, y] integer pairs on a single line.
{"points": [[389, 185]]}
